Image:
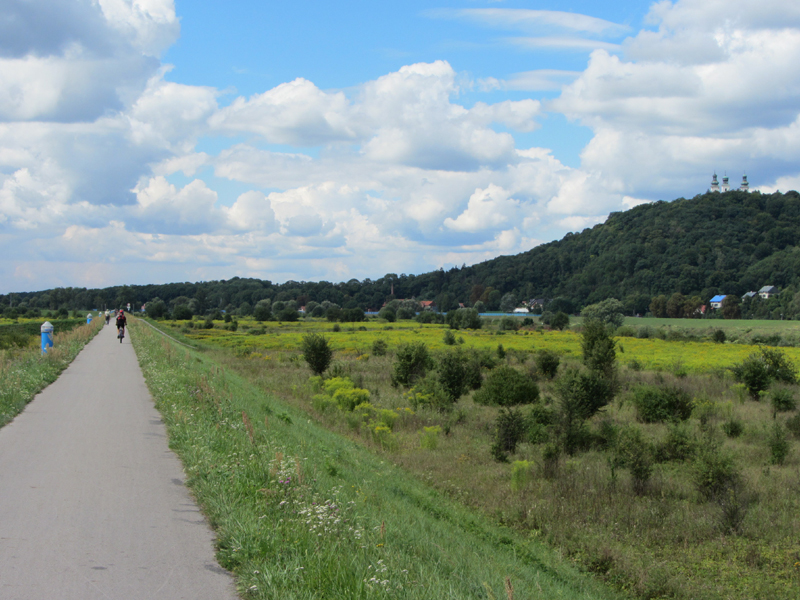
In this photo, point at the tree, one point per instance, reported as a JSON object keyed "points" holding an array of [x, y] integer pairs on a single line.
{"points": [[731, 307], [413, 362], [452, 372], [581, 395], [263, 310], [610, 312], [675, 305], [599, 353], [508, 303], [316, 352], [559, 321], [506, 386], [156, 308], [658, 306]]}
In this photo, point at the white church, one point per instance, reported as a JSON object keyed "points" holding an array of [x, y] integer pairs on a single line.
{"points": [[725, 187]]}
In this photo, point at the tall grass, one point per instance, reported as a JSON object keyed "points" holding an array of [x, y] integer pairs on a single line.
{"points": [[24, 372], [301, 512]]}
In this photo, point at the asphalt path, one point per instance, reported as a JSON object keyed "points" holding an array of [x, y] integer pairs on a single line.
{"points": [[92, 501]]}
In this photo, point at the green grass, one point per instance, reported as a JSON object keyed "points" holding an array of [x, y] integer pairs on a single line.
{"points": [[301, 512], [665, 542], [24, 372]]}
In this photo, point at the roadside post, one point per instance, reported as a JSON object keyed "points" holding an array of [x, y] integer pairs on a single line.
{"points": [[88, 318], [47, 336]]}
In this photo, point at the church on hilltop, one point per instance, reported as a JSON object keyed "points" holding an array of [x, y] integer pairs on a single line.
{"points": [[725, 187]]}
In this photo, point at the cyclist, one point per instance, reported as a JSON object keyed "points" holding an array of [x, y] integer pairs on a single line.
{"points": [[121, 322], [108, 317]]}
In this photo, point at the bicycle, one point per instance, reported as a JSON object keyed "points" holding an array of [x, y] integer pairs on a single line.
{"points": [[121, 334]]}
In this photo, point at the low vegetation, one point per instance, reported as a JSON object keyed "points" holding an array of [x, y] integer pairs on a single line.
{"points": [[641, 459], [301, 512]]}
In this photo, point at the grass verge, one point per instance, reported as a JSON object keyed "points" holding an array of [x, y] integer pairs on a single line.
{"points": [[301, 512], [24, 372]]}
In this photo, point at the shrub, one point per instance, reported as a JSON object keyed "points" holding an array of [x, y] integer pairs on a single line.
{"points": [[379, 347], [547, 363], [778, 444], [501, 352], [581, 394], [714, 473], [429, 439], [719, 336], [537, 424], [316, 352], [464, 318], [783, 400], [506, 386], [759, 369], [733, 428], [635, 454], [677, 446], [509, 432], [413, 362], [182, 313], [520, 475], [508, 324], [793, 425], [452, 373], [559, 321], [658, 404], [449, 338], [428, 392]]}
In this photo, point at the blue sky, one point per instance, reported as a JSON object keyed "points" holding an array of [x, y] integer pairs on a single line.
{"points": [[149, 141]]}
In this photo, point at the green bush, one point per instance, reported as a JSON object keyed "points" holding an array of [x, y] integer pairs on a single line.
{"points": [[429, 440], [760, 369], [412, 363], [506, 386], [581, 395], [316, 352], [379, 347], [778, 443], [509, 432], [783, 399], [599, 348], [452, 373], [508, 324], [449, 338], [715, 473], [182, 313], [547, 363], [677, 446], [733, 428], [793, 425], [634, 453], [659, 404], [521, 472]]}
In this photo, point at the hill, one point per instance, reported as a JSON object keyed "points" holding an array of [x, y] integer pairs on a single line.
{"points": [[728, 243]]}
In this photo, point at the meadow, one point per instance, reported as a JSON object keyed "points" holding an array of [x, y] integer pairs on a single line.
{"points": [[664, 538], [303, 513]]}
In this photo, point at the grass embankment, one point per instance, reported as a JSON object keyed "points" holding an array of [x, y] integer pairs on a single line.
{"points": [[24, 372], [664, 541], [301, 512]]}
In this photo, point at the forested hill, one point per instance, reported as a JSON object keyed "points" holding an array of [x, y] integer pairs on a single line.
{"points": [[728, 243]]}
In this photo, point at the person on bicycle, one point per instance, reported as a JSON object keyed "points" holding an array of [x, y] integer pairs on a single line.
{"points": [[121, 322]]}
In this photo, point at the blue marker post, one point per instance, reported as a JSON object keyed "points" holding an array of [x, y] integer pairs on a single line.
{"points": [[88, 318], [47, 336]]}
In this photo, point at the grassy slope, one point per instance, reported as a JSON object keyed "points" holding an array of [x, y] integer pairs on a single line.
{"points": [[301, 512], [25, 372], [662, 543]]}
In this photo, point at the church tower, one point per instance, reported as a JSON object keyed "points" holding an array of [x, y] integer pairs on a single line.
{"points": [[745, 187], [714, 184], [725, 185]]}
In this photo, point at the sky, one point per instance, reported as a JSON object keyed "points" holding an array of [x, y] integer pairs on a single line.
{"points": [[158, 141]]}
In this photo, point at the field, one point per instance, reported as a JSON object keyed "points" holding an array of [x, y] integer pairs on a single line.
{"points": [[302, 513], [665, 537]]}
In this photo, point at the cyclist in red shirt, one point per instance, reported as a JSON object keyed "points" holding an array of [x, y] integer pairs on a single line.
{"points": [[121, 322]]}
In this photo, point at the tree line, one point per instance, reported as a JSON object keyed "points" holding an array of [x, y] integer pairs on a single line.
{"points": [[677, 254]]}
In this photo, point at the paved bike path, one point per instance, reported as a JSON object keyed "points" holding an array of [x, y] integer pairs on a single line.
{"points": [[92, 501]]}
